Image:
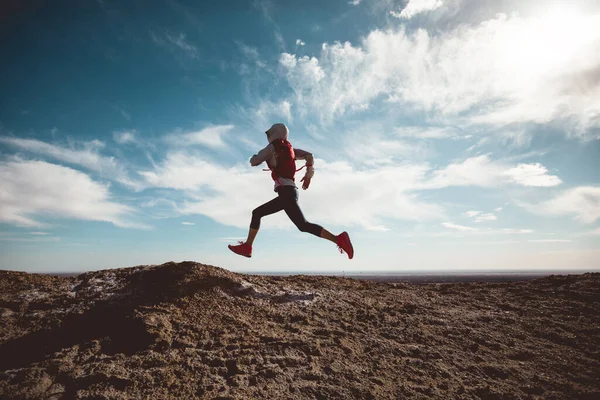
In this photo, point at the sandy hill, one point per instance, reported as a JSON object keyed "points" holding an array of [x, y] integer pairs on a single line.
{"points": [[187, 330]]}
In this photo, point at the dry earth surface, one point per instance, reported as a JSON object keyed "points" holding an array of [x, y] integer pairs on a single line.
{"points": [[188, 330]]}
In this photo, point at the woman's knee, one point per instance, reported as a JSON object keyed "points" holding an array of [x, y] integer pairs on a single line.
{"points": [[303, 226], [309, 227]]}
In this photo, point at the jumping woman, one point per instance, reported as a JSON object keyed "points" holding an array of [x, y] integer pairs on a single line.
{"points": [[280, 157]]}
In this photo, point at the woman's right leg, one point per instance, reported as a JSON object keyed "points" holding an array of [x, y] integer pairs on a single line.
{"points": [[325, 234], [270, 207]]}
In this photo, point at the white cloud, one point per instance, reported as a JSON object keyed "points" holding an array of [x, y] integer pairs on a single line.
{"points": [[516, 138], [44, 239], [183, 172], [252, 56], [550, 241], [498, 209], [249, 51], [39, 233], [176, 42], [368, 196], [160, 208], [479, 216], [230, 239], [485, 217], [526, 70], [299, 42], [37, 188], [84, 154], [481, 171], [122, 112], [124, 137], [339, 194], [354, 2], [429, 132], [188, 223], [415, 7], [582, 203], [460, 231], [301, 70], [369, 144], [279, 39], [511, 231], [594, 232], [263, 116], [458, 227], [211, 137], [378, 228], [532, 175]]}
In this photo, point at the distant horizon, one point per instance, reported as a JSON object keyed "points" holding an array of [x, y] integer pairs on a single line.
{"points": [[469, 272]]}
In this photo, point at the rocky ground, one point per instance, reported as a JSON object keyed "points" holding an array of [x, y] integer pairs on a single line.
{"points": [[187, 330]]}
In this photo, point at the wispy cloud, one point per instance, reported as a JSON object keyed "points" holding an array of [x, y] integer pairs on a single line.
{"points": [[524, 68], [43, 239], [230, 239], [251, 58], [482, 171], [124, 137], [265, 7], [461, 228], [372, 193], [532, 175], [261, 116], [511, 231], [550, 241], [36, 188], [188, 223], [378, 228], [414, 7], [594, 232], [84, 154], [211, 136], [176, 43], [299, 42], [430, 132], [479, 216], [369, 144], [181, 42], [339, 194], [582, 203], [123, 112]]}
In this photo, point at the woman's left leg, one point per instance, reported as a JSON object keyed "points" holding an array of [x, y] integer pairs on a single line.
{"points": [[292, 209]]}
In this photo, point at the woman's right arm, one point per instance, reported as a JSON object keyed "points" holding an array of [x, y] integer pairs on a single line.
{"points": [[262, 156]]}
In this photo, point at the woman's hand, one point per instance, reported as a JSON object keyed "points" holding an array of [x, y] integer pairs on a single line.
{"points": [[306, 183]]}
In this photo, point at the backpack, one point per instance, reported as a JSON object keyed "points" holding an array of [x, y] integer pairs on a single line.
{"points": [[286, 164]]}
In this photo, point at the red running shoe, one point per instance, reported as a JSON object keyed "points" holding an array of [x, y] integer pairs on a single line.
{"points": [[345, 245], [242, 249]]}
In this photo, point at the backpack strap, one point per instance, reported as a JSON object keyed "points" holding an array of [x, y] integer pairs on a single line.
{"points": [[302, 167]]}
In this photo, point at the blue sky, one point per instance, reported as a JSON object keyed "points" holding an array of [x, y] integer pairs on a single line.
{"points": [[448, 135]]}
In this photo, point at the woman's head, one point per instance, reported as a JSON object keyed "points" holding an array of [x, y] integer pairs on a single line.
{"points": [[277, 131]]}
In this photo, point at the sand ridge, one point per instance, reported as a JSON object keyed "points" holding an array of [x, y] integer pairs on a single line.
{"points": [[189, 330]]}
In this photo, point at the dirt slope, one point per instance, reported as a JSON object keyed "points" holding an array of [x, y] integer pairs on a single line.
{"points": [[189, 330]]}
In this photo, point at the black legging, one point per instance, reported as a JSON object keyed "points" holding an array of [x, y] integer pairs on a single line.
{"points": [[287, 200]]}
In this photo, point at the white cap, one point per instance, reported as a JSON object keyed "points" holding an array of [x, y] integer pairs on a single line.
{"points": [[276, 131]]}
